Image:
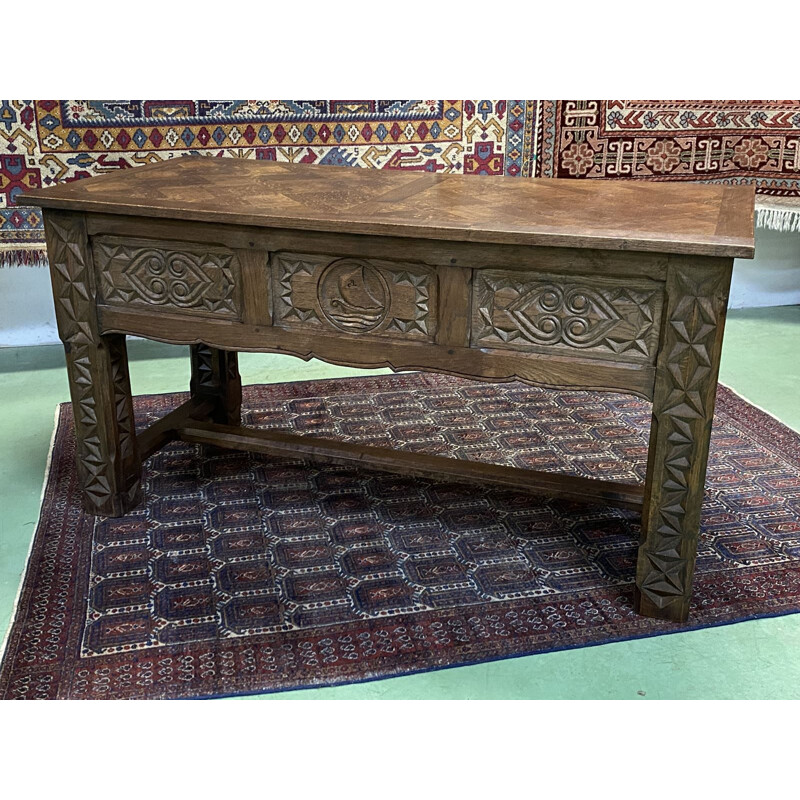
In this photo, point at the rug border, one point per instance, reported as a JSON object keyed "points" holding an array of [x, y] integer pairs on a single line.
{"points": [[760, 408], [26, 566], [440, 668]]}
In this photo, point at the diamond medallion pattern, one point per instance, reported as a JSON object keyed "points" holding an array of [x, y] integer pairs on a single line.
{"points": [[276, 541]]}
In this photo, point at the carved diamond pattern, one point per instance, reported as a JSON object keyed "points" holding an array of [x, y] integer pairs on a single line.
{"points": [[682, 413], [72, 287], [421, 285], [287, 308], [203, 368]]}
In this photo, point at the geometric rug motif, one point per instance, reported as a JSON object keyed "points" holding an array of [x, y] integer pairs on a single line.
{"points": [[246, 573], [46, 142], [743, 142]]}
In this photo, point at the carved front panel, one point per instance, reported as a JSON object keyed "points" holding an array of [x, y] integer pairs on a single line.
{"points": [[354, 295], [174, 276], [586, 316]]}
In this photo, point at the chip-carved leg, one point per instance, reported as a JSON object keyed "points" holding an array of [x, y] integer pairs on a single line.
{"points": [[215, 376], [683, 408], [108, 462]]}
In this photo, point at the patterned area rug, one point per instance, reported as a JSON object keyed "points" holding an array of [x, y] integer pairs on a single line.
{"points": [[44, 142], [245, 573]]}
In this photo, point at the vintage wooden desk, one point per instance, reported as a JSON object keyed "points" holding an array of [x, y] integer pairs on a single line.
{"points": [[584, 284]]}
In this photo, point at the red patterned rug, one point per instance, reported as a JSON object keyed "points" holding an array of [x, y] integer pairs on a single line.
{"points": [[243, 573]]}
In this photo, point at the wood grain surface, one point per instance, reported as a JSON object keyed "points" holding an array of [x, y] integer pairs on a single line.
{"points": [[690, 218], [285, 444]]}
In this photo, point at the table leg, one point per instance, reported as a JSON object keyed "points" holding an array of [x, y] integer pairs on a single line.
{"points": [[108, 460], [683, 410], [215, 375]]}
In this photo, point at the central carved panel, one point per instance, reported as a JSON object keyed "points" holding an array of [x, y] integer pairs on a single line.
{"points": [[354, 295], [599, 317]]}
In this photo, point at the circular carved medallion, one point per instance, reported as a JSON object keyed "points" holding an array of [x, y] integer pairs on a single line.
{"points": [[353, 295]]}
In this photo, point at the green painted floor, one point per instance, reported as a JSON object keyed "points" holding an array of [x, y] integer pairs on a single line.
{"points": [[758, 659]]}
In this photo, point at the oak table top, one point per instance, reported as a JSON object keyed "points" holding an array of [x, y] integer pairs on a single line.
{"points": [[675, 217]]}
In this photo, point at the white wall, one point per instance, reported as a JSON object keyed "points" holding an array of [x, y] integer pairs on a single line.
{"points": [[26, 307], [771, 279]]}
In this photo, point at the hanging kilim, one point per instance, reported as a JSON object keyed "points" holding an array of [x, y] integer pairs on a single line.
{"points": [[44, 142]]}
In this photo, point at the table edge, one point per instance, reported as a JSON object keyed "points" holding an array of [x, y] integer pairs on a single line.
{"points": [[719, 246]]}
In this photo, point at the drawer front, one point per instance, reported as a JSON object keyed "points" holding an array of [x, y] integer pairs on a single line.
{"points": [[175, 276], [361, 297], [602, 318]]}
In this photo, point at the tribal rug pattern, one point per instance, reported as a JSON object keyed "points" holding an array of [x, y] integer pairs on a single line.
{"points": [[243, 573], [45, 142]]}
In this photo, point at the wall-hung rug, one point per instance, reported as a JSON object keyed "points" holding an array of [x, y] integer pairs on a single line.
{"points": [[245, 573]]}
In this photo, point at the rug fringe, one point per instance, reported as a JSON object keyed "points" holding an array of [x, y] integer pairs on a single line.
{"points": [[783, 220], [24, 257]]}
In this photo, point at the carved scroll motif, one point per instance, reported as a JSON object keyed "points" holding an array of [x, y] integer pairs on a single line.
{"points": [[532, 311], [171, 275]]}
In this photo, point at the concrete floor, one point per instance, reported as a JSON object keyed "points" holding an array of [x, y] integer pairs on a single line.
{"points": [[757, 659]]}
